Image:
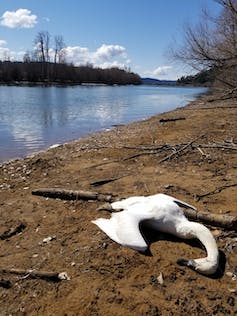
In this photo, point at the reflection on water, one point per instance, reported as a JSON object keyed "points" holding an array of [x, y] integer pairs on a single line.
{"points": [[33, 118]]}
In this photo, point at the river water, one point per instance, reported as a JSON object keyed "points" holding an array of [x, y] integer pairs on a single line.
{"points": [[34, 118]]}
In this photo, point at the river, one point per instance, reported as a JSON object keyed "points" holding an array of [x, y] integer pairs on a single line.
{"points": [[34, 118]]}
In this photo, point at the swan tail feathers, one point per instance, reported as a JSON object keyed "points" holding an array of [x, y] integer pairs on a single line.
{"points": [[184, 204]]}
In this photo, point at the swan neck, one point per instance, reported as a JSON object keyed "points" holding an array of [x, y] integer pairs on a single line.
{"points": [[206, 238]]}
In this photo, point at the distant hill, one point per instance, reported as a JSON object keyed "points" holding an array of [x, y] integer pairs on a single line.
{"points": [[153, 81]]}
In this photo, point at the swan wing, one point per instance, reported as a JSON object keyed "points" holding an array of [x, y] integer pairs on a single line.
{"points": [[126, 203], [123, 228], [128, 231], [177, 201]]}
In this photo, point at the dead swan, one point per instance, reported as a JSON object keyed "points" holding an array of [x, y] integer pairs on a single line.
{"points": [[161, 212]]}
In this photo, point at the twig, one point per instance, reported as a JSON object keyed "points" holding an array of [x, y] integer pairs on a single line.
{"points": [[153, 152], [217, 190], [52, 276], [217, 146], [181, 149], [105, 181], [13, 231], [164, 120]]}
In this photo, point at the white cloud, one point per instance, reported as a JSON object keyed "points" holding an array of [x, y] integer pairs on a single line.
{"points": [[162, 72], [3, 43], [105, 56], [106, 52], [21, 18]]}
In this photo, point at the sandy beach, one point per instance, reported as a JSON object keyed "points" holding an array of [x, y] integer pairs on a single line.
{"points": [[189, 153]]}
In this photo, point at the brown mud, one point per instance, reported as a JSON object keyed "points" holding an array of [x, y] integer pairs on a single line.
{"points": [[192, 158]]}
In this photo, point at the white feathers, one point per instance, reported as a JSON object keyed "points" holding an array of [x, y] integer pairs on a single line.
{"points": [[163, 213]]}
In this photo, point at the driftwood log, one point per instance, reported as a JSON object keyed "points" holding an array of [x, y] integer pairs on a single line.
{"points": [[52, 276], [217, 220], [64, 194]]}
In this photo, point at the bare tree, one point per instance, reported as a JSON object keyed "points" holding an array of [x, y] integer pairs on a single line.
{"points": [[59, 51], [213, 44], [42, 41]]}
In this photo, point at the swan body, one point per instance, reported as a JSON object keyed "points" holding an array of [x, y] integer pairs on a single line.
{"points": [[163, 213]]}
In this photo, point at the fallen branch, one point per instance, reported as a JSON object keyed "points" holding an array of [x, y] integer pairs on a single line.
{"points": [[153, 152], [64, 194], [216, 146], [164, 120], [216, 220], [181, 149], [105, 181], [13, 231], [52, 276], [217, 190]]}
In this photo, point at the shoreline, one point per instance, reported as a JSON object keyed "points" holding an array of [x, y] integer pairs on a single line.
{"points": [[46, 148], [187, 153]]}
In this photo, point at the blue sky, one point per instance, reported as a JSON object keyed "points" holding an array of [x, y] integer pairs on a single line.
{"points": [[124, 33]]}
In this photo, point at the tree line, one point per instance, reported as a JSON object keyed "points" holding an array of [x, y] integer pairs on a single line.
{"points": [[47, 64], [204, 78], [48, 73]]}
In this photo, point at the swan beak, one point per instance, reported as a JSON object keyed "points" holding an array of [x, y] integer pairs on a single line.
{"points": [[187, 263]]}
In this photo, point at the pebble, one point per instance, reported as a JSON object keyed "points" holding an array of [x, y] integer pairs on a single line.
{"points": [[232, 275], [48, 239], [160, 279], [232, 290]]}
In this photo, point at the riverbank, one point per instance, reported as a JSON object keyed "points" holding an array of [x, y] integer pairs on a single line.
{"points": [[137, 159]]}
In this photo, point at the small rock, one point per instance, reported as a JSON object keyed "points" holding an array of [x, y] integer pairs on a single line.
{"points": [[232, 275], [48, 239], [232, 290], [63, 276], [216, 232], [160, 279]]}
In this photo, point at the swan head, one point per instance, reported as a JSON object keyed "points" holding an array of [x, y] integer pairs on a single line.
{"points": [[203, 265]]}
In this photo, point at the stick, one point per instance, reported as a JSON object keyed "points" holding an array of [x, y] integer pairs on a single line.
{"points": [[217, 190], [216, 220], [53, 276], [105, 181], [214, 146], [181, 149], [164, 120], [13, 231], [64, 194]]}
